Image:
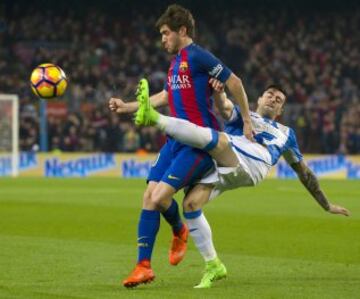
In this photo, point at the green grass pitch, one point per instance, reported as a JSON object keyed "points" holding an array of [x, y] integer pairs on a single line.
{"points": [[76, 238]]}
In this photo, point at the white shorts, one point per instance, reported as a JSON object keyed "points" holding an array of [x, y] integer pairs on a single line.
{"points": [[254, 164]]}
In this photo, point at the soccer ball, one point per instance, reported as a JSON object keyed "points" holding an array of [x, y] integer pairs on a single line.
{"points": [[48, 81]]}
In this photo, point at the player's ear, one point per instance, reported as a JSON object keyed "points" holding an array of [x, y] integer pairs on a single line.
{"points": [[183, 31]]}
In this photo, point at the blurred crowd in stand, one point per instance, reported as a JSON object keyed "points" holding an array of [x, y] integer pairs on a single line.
{"points": [[314, 56]]}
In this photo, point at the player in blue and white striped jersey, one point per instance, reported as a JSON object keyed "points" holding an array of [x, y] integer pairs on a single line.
{"points": [[239, 161]]}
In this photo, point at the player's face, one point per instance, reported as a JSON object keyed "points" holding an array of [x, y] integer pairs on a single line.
{"points": [[170, 39], [271, 103]]}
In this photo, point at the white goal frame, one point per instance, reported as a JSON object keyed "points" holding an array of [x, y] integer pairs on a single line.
{"points": [[14, 99]]}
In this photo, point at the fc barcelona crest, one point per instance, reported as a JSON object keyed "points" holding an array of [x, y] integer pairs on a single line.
{"points": [[183, 66]]}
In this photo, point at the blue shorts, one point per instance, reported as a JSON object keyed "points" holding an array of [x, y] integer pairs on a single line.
{"points": [[179, 165]]}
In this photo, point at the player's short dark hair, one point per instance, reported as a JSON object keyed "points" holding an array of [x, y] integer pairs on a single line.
{"points": [[175, 17], [276, 87]]}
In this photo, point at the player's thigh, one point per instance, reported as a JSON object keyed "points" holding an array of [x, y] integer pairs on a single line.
{"points": [[158, 168], [197, 197], [223, 153], [161, 163], [187, 166]]}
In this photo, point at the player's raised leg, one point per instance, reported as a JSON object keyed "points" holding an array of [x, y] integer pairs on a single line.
{"points": [[207, 139], [182, 130]]}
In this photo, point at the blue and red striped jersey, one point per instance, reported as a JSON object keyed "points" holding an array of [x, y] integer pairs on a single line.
{"points": [[189, 91]]}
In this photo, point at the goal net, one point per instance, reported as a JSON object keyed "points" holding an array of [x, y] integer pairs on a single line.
{"points": [[9, 135]]}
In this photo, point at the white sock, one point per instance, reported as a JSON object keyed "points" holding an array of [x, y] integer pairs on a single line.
{"points": [[200, 232], [187, 132]]}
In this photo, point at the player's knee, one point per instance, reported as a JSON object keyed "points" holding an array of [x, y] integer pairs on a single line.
{"points": [[191, 205], [158, 200], [223, 142], [147, 196], [147, 203], [188, 206]]}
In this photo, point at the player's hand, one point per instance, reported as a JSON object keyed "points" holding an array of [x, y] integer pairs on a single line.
{"points": [[217, 85], [334, 209], [118, 105], [248, 131]]}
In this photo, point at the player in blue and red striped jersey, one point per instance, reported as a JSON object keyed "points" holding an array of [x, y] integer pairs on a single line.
{"points": [[188, 93]]}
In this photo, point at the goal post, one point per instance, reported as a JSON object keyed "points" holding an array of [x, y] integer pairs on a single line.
{"points": [[9, 135]]}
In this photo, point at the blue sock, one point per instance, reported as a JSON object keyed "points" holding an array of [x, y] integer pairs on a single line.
{"points": [[148, 227], [193, 214], [172, 216]]}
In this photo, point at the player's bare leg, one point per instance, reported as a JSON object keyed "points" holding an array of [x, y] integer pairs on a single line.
{"points": [[223, 153]]}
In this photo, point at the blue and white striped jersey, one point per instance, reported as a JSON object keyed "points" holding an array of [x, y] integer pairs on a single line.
{"points": [[277, 138]]}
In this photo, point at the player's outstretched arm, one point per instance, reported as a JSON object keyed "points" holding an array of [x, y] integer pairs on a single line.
{"points": [[223, 104], [119, 106], [235, 86], [311, 183]]}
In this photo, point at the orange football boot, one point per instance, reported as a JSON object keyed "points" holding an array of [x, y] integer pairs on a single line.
{"points": [[141, 274], [179, 246]]}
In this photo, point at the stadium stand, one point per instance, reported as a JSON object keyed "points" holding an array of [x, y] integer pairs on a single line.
{"points": [[315, 57]]}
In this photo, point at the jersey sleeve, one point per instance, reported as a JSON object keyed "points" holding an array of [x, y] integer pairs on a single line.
{"points": [[212, 65], [292, 155]]}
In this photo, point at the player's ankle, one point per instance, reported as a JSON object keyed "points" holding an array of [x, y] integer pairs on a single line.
{"points": [[178, 229], [213, 261], [145, 263], [155, 116]]}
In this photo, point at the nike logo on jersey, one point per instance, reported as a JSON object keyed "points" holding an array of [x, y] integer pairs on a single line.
{"points": [[171, 177], [141, 238]]}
